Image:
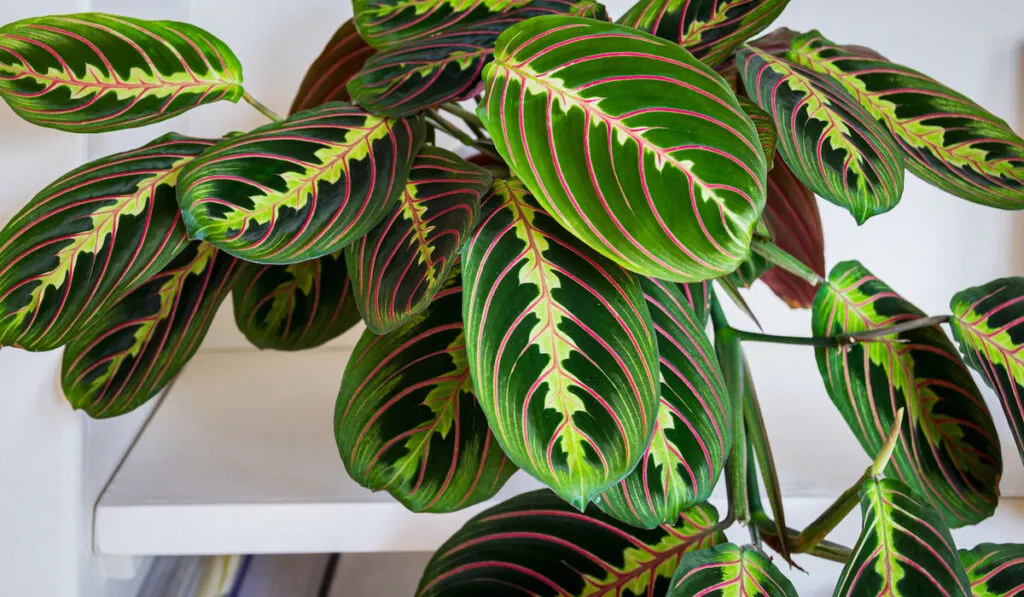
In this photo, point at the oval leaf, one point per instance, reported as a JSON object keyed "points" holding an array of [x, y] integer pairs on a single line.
{"points": [[407, 419], [904, 549], [88, 239], [709, 29], [536, 544], [691, 437], [948, 450], [729, 571], [399, 266], [609, 163], [295, 307], [328, 76], [572, 399], [995, 570], [791, 214], [389, 23], [446, 67], [988, 323], [948, 140], [832, 144], [132, 350], [301, 188], [93, 72]]}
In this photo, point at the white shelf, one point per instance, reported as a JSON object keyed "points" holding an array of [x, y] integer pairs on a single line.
{"points": [[240, 458]]}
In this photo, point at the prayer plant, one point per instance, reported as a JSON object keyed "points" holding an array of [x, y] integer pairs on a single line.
{"points": [[542, 298]]}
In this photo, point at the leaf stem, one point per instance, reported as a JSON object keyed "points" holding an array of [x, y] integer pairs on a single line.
{"points": [[794, 340], [440, 122], [885, 454], [757, 436], [841, 339], [262, 108], [468, 117], [780, 258], [730, 357]]}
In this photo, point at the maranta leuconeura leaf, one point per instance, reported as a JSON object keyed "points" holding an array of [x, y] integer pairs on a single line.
{"points": [[536, 544], [134, 348], [829, 140], [668, 183], [89, 238], [297, 306], [445, 67], [988, 323], [392, 23], [301, 188], [904, 549], [995, 570], [561, 347], [791, 213], [691, 439], [407, 419], [948, 451], [94, 72], [327, 78], [729, 571], [709, 29], [767, 134], [398, 267], [948, 139]]}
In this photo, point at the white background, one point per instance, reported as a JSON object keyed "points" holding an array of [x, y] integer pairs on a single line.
{"points": [[53, 462]]}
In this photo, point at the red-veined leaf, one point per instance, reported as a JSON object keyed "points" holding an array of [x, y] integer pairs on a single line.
{"points": [[995, 570], [536, 544], [791, 214], [446, 67], [988, 323], [561, 347], [767, 134], [327, 78], [133, 349], [398, 267], [609, 163], [691, 440], [94, 72], [89, 238], [393, 23], [407, 419], [729, 571], [297, 306], [709, 29], [948, 451], [301, 188], [904, 549], [829, 141], [948, 139]]}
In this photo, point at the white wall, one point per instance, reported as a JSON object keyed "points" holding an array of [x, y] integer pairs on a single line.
{"points": [[53, 462]]}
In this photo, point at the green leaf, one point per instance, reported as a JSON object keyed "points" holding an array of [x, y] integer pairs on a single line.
{"points": [[536, 544], [561, 347], [295, 307], [767, 134], [988, 323], [667, 183], [301, 188], [948, 139], [392, 23], [698, 297], [407, 419], [948, 451], [398, 267], [904, 549], [729, 571], [89, 238], [691, 437], [791, 214], [709, 29], [829, 140], [94, 72], [136, 347], [995, 570], [327, 78], [446, 67]]}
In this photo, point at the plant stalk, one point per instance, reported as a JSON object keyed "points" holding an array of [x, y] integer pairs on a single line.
{"points": [[730, 357], [262, 108], [471, 119], [844, 339], [780, 258], [757, 436], [885, 454], [440, 122]]}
